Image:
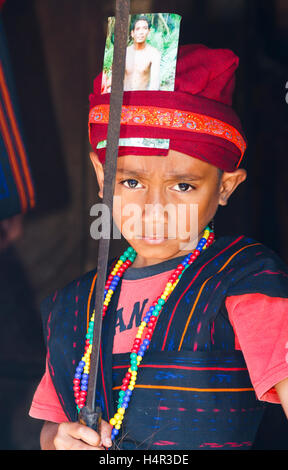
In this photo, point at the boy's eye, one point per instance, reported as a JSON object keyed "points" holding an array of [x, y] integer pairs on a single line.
{"points": [[183, 187], [132, 184]]}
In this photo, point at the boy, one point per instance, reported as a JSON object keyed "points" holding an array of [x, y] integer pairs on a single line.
{"points": [[193, 340]]}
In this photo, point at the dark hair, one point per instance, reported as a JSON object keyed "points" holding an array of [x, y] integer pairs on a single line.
{"points": [[139, 18]]}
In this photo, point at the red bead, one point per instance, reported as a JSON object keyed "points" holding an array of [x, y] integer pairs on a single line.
{"points": [[125, 381], [83, 393], [128, 375], [124, 387], [148, 336]]}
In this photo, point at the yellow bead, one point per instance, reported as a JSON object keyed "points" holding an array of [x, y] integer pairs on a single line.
{"points": [[110, 291], [120, 262], [117, 416], [143, 323], [131, 387], [138, 336], [112, 421], [139, 358], [121, 411], [117, 426]]}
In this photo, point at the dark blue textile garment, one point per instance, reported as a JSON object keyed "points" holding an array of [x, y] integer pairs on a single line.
{"points": [[186, 397]]}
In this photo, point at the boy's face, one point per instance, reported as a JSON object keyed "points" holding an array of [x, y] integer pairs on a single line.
{"points": [[163, 204]]}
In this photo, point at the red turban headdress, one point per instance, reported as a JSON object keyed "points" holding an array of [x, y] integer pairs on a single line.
{"points": [[197, 117]]}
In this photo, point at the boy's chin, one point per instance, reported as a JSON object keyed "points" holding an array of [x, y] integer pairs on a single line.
{"points": [[156, 248]]}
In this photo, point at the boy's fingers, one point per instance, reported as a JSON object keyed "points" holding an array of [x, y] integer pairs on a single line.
{"points": [[85, 434], [105, 432]]}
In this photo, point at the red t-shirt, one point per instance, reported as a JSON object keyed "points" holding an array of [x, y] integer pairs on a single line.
{"points": [[251, 315]]}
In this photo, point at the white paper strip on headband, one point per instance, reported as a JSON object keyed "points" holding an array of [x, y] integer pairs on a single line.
{"points": [[139, 142]]}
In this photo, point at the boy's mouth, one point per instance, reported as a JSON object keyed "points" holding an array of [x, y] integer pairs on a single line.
{"points": [[153, 240]]}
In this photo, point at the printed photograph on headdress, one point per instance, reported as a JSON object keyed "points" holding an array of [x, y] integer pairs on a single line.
{"points": [[151, 55]]}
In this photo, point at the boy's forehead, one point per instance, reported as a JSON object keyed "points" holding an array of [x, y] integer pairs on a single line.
{"points": [[174, 163]]}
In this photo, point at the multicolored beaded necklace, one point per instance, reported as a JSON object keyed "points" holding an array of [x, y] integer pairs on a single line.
{"points": [[139, 347]]}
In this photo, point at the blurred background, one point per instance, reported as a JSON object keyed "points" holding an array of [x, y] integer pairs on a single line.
{"points": [[55, 48]]}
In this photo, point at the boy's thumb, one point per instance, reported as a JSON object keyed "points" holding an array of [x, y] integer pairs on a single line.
{"points": [[105, 433]]}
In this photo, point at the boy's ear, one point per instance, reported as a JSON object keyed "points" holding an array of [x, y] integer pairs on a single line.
{"points": [[99, 171], [229, 183]]}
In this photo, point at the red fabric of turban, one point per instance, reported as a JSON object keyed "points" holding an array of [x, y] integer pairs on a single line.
{"points": [[197, 116]]}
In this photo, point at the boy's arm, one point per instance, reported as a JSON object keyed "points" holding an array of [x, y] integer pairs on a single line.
{"points": [[282, 390], [74, 436]]}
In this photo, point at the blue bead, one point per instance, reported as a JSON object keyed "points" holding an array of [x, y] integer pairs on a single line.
{"points": [[128, 392], [77, 376], [84, 388], [126, 399], [116, 278], [146, 342], [146, 319], [125, 405]]}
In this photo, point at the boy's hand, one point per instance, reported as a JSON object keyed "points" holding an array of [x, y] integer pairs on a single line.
{"points": [[75, 436]]}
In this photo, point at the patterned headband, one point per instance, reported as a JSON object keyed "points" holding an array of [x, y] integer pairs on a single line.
{"points": [[170, 119]]}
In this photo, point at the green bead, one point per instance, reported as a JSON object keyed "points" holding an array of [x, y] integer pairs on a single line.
{"points": [[133, 356], [158, 308], [155, 313], [161, 301], [134, 368], [87, 336], [121, 393], [123, 258], [130, 249]]}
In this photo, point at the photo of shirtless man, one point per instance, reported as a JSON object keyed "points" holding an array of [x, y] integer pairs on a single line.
{"points": [[142, 60]]}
